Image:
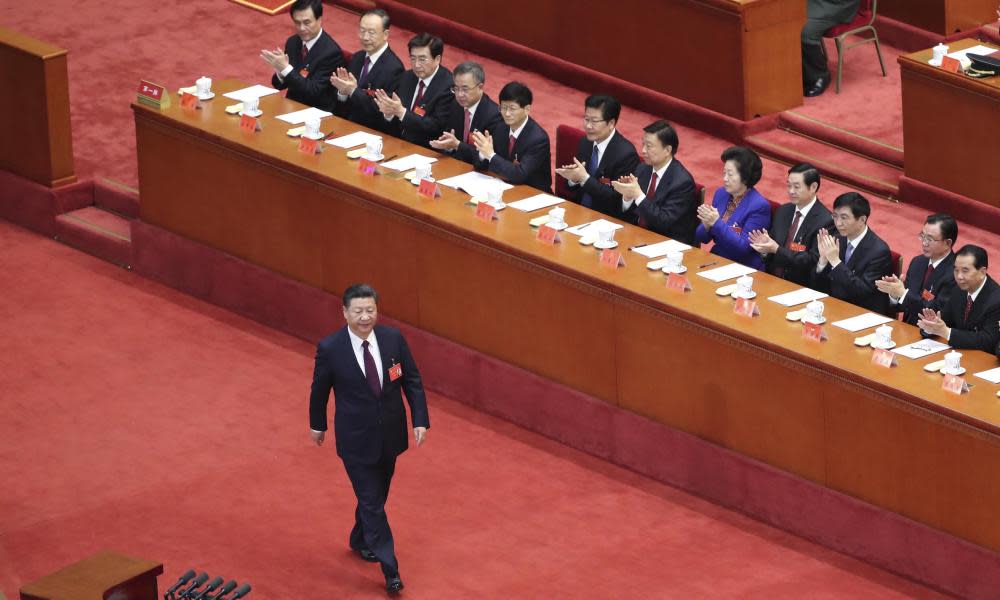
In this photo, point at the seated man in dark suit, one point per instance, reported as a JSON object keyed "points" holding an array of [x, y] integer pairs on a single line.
{"points": [[821, 15], [796, 224], [466, 110], [660, 196], [851, 262], [376, 67], [970, 317], [416, 91], [521, 154], [603, 156], [310, 57], [930, 278]]}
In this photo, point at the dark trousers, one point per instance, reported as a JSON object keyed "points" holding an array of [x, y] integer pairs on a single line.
{"points": [[371, 525], [814, 61]]}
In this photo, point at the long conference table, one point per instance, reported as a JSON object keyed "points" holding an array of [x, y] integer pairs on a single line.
{"points": [[821, 410]]}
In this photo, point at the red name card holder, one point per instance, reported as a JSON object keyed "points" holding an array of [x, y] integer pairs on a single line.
{"points": [[612, 259], [813, 332], [250, 124], [547, 235], [429, 189], [189, 101], [367, 167], [746, 307], [884, 358], [486, 212], [951, 64], [153, 95], [309, 146], [954, 384], [678, 283]]}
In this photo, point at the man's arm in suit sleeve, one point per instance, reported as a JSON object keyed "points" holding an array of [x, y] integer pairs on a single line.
{"points": [[362, 106], [677, 201], [605, 198], [468, 153], [536, 156], [985, 339], [321, 385], [854, 286], [913, 301], [317, 85], [413, 387], [807, 259]]}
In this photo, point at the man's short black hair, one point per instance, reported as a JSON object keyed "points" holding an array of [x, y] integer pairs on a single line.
{"points": [[665, 132], [747, 164], [426, 40], [856, 202], [980, 259], [949, 227], [610, 108], [810, 174], [359, 290], [300, 5], [378, 12], [515, 91]]}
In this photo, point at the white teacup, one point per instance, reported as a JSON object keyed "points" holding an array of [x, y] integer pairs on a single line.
{"points": [[814, 311], [883, 337], [675, 261], [312, 127], [744, 286], [557, 216], [203, 85], [606, 234], [952, 362], [251, 105], [494, 197], [373, 148], [939, 52], [422, 171]]}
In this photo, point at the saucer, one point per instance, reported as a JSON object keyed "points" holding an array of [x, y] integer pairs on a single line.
{"points": [[680, 270], [374, 158], [890, 346], [207, 96], [255, 114], [946, 371], [416, 181], [558, 227], [606, 245], [934, 63], [820, 321], [317, 136], [752, 295]]}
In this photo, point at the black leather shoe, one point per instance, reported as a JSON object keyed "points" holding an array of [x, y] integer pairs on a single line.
{"points": [[393, 585], [818, 87], [366, 554]]}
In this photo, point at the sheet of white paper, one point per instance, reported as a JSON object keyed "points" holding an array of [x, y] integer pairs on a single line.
{"points": [[591, 227], [661, 248], [863, 321], [921, 349], [993, 375], [254, 91], [351, 140], [980, 49], [301, 116], [799, 296], [475, 184], [409, 162], [727, 272], [536, 202]]}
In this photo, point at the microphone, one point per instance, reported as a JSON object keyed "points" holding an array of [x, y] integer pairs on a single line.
{"points": [[225, 589], [211, 586], [241, 591], [186, 577], [195, 584]]}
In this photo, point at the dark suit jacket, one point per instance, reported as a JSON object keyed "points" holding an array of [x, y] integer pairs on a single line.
{"points": [[366, 425], [797, 266], [841, 11], [981, 331], [360, 107], [673, 209], [415, 128], [322, 60], [854, 282], [941, 286], [532, 160], [486, 118], [619, 159]]}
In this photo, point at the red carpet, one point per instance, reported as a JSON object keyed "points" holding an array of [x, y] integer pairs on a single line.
{"points": [[141, 420]]}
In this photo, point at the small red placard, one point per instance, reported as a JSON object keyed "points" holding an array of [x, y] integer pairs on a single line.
{"points": [[746, 307], [813, 332], [309, 146], [485, 212], [547, 235], [612, 258], [951, 64], [249, 124], [884, 358], [428, 189], [678, 282], [796, 247], [151, 90], [189, 101], [366, 167], [954, 384]]}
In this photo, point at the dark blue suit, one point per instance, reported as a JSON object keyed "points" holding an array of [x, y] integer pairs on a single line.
{"points": [[732, 237], [673, 209], [619, 159], [309, 80], [360, 106], [370, 430], [531, 163], [854, 281], [941, 284], [415, 128]]}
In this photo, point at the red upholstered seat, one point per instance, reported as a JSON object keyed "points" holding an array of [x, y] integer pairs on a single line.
{"points": [[567, 139], [897, 263], [864, 17], [347, 57], [862, 26]]}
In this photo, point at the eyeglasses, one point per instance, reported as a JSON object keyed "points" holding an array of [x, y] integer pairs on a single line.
{"points": [[420, 60], [842, 217], [926, 239], [463, 90], [593, 122], [510, 108]]}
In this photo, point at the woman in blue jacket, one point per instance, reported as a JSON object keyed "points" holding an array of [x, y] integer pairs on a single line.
{"points": [[736, 209]]}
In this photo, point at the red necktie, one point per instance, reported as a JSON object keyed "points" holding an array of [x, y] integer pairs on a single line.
{"points": [[468, 125], [510, 146], [927, 276], [968, 309], [302, 58], [793, 229], [371, 371], [420, 94]]}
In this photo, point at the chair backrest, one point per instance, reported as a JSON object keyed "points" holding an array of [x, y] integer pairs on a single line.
{"points": [[897, 263], [347, 57], [567, 140]]}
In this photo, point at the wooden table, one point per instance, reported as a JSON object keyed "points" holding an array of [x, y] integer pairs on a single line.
{"points": [[940, 16], [104, 575], [951, 127], [820, 410], [741, 58]]}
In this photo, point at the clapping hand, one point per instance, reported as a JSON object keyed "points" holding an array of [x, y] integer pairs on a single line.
{"points": [[447, 141], [708, 215], [276, 58], [829, 249], [628, 187], [344, 81], [890, 284], [930, 322], [761, 242], [576, 172], [483, 142], [390, 106]]}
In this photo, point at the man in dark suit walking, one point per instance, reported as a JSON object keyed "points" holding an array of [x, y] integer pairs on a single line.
{"points": [[417, 90], [821, 15], [467, 109], [374, 67], [850, 263], [603, 156], [520, 152], [310, 57], [797, 225], [367, 366], [930, 278], [971, 316]]}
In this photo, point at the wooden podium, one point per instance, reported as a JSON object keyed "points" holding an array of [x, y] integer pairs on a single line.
{"points": [[104, 575]]}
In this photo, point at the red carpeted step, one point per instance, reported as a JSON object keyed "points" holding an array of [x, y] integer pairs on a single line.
{"points": [[99, 232], [833, 135], [117, 197], [835, 163]]}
